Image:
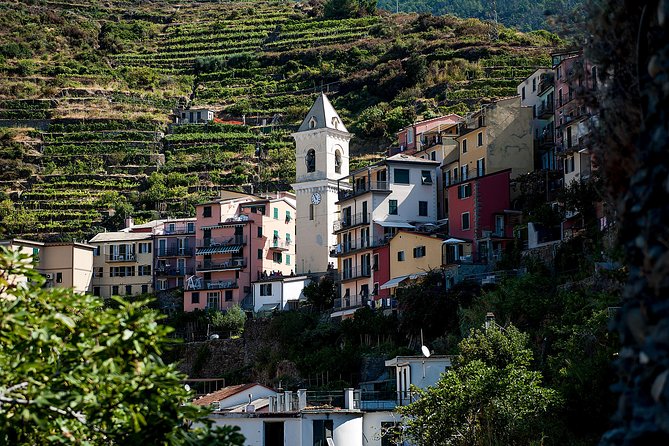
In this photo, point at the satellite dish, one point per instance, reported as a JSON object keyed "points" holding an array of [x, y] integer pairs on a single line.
{"points": [[187, 387], [426, 351]]}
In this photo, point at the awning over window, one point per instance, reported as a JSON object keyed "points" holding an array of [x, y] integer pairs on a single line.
{"points": [[394, 224], [454, 241], [393, 283], [218, 250]]}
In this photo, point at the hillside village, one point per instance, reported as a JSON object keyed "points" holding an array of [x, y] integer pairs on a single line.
{"points": [[447, 197]]}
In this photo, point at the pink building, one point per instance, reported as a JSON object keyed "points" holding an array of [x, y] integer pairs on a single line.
{"points": [[380, 275], [480, 223], [239, 239], [415, 137], [174, 252]]}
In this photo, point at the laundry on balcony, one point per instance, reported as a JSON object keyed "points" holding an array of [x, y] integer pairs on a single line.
{"points": [[226, 249]]}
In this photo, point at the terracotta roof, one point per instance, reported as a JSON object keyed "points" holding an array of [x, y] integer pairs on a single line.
{"points": [[224, 393]]}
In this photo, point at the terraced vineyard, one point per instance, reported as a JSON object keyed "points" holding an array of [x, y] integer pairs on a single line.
{"points": [[88, 92]]}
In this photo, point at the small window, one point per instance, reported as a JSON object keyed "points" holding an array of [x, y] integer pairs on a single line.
{"points": [[287, 259], [465, 221], [259, 231], [96, 291], [310, 160], [465, 190], [96, 252], [266, 289], [228, 295], [410, 136], [312, 211], [401, 176], [463, 173], [128, 290], [145, 289], [426, 177], [195, 298], [433, 156], [206, 212], [480, 167], [422, 208], [522, 93], [480, 139], [400, 256], [288, 217], [392, 207], [115, 290], [337, 161], [534, 84], [190, 227], [277, 257], [464, 146], [59, 277], [259, 253], [447, 178], [276, 213], [418, 251]]}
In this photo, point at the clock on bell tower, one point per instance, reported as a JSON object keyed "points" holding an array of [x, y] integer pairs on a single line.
{"points": [[322, 156]]}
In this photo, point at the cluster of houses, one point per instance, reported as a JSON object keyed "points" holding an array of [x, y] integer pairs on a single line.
{"points": [[441, 200]]}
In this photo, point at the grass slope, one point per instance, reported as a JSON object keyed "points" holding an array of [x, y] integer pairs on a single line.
{"points": [[87, 91]]}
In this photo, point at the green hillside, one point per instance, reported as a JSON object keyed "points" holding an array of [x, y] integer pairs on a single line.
{"points": [[87, 92]]}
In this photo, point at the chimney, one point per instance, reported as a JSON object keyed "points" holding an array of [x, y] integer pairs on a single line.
{"points": [[301, 399], [129, 223], [288, 400], [348, 399]]}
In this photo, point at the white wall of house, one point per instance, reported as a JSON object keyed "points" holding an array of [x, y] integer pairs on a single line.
{"points": [[347, 428], [282, 291], [372, 423], [253, 427], [256, 391]]}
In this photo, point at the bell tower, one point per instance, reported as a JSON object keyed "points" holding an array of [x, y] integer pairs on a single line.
{"points": [[322, 156]]}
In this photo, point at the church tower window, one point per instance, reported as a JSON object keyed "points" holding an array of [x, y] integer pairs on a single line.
{"points": [[310, 160]]}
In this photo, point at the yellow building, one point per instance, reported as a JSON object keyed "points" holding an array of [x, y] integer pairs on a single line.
{"points": [[497, 137], [63, 265], [122, 263], [412, 254]]}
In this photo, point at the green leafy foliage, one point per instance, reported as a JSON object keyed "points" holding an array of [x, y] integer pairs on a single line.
{"points": [[231, 320], [75, 372], [489, 397]]}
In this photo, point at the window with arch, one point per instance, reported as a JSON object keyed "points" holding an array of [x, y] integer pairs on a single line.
{"points": [[335, 123], [337, 161], [310, 160], [313, 122]]}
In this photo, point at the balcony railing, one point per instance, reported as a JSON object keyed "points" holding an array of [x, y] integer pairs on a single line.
{"points": [[174, 272], [280, 244], [354, 273], [221, 241], [211, 284], [354, 245], [353, 220], [385, 400], [364, 186], [545, 110], [351, 301], [218, 266], [121, 258], [387, 303], [175, 251], [548, 139], [179, 231]]}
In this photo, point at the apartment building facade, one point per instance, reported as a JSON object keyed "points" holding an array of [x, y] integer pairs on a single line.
{"points": [[375, 202], [239, 239], [174, 252], [122, 263]]}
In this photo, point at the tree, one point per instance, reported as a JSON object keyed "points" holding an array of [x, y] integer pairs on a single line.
{"points": [[489, 397], [75, 372], [339, 9], [232, 320], [321, 294]]}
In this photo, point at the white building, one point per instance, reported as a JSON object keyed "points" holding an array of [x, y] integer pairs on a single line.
{"points": [[416, 371], [278, 293], [194, 115], [322, 156]]}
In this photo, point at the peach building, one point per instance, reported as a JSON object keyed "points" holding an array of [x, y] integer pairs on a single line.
{"points": [[239, 239]]}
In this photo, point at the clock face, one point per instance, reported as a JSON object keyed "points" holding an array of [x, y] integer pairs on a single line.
{"points": [[315, 198]]}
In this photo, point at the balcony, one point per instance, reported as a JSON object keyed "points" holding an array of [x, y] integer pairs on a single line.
{"points": [[351, 301], [545, 110], [386, 303], [355, 273], [179, 231], [199, 284], [232, 264], [279, 244], [546, 81], [547, 140], [362, 187], [350, 246], [352, 221], [174, 272], [120, 258], [221, 241], [174, 251]]}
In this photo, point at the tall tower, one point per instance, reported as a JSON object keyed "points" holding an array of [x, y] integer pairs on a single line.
{"points": [[321, 152]]}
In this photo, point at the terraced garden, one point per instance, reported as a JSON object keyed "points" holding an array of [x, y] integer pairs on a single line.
{"points": [[92, 106]]}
